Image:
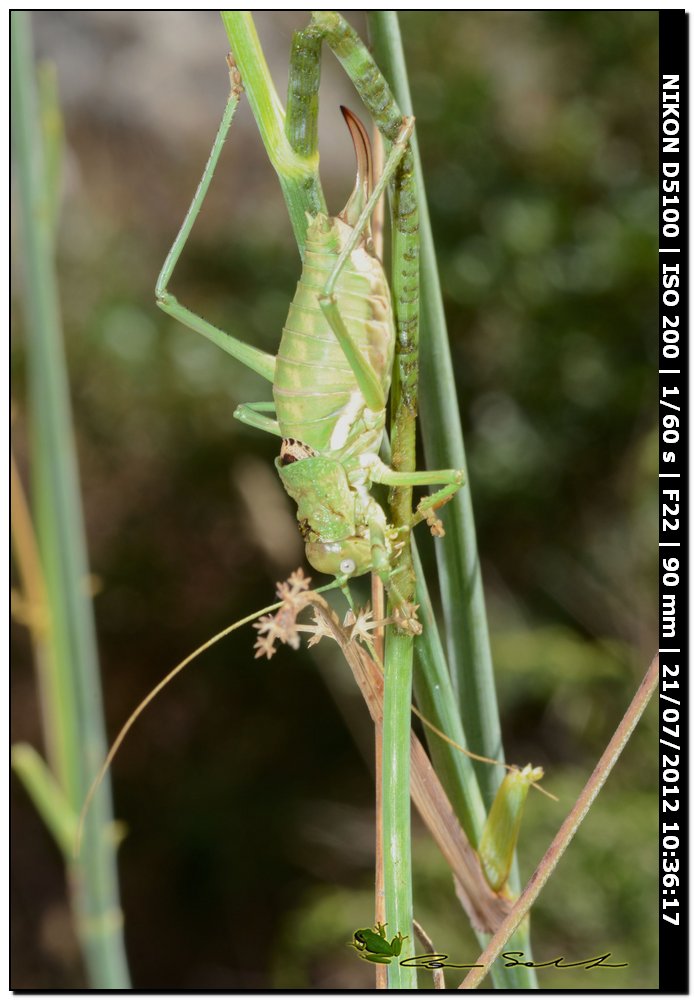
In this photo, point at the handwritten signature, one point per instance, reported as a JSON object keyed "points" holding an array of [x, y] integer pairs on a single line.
{"points": [[513, 958]]}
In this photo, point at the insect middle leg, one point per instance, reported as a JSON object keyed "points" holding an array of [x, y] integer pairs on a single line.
{"points": [[253, 414]]}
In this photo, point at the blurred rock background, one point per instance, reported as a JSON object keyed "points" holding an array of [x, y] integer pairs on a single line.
{"points": [[246, 788]]}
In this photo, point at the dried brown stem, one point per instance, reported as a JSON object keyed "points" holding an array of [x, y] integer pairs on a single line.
{"points": [[485, 909], [568, 828]]}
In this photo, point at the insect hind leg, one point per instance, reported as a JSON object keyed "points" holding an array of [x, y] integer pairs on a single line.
{"points": [[258, 361]]}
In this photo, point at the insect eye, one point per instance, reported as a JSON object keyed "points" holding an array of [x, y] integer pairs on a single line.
{"points": [[347, 566]]}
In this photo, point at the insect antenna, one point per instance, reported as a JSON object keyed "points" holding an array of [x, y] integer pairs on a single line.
{"points": [[476, 756], [137, 712], [447, 739]]}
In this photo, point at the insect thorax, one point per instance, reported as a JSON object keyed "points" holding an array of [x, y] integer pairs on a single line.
{"points": [[329, 512]]}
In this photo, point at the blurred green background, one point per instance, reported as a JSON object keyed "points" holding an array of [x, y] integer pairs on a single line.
{"points": [[247, 787]]}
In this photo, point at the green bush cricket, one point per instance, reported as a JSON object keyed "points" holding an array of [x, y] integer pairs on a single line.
{"points": [[344, 337], [332, 374]]}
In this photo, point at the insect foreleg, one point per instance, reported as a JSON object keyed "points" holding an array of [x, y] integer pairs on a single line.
{"points": [[258, 361], [380, 561], [382, 551]]}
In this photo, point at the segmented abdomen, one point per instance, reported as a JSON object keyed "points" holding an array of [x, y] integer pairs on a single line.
{"points": [[316, 394]]}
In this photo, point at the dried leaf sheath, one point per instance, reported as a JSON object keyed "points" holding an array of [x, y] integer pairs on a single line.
{"points": [[485, 908]]}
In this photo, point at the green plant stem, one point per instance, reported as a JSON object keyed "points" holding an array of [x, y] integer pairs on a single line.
{"points": [[459, 575], [434, 693], [399, 650], [76, 694], [397, 841], [298, 174], [46, 794], [299, 130], [436, 701], [53, 137], [569, 826], [459, 572], [295, 173]]}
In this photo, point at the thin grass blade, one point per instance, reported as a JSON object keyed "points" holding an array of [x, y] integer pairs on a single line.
{"points": [[57, 512]]}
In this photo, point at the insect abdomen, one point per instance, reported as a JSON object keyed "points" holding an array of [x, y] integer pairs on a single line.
{"points": [[316, 394]]}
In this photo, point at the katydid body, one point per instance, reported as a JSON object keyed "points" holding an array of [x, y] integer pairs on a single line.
{"points": [[330, 382], [347, 340]]}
